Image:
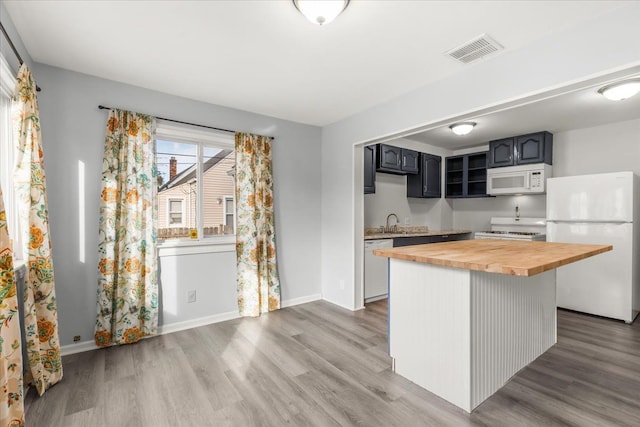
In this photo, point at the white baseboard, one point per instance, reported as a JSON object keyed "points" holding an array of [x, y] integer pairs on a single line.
{"points": [[78, 347], [83, 346], [301, 300]]}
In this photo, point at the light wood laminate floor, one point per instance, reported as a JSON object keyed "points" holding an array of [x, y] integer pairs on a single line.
{"points": [[318, 364]]}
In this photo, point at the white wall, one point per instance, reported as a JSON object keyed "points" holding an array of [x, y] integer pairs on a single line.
{"points": [[543, 66], [73, 132], [609, 148]]}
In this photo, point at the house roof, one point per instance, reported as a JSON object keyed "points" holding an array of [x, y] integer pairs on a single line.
{"points": [[190, 173]]}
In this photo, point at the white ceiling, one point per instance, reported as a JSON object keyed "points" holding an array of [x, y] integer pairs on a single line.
{"points": [[264, 57], [575, 109]]}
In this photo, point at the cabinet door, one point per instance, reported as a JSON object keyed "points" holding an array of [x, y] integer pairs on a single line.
{"points": [[501, 153], [530, 148], [390, 157], [431, 171], [410, 161], [369, 169]]}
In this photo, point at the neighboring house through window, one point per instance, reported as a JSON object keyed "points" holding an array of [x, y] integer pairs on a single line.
{"points": [[196, 177]]}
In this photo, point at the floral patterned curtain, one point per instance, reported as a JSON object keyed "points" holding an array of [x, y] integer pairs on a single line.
{"points": [[40, 312], [11, 394], [258, 283], [127, 277]]}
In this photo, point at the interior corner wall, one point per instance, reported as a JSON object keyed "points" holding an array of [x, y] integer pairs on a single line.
{"points": [[564, 58], [73, 138]]}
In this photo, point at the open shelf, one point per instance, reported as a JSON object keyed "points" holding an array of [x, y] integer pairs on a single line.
{"points": [[466, 175]]}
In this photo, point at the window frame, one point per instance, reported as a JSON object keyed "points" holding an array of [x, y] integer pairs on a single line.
{"points": [[166, 131], [233, 211], [8, 81]]}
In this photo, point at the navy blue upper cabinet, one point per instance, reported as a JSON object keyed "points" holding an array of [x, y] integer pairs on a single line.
{"points": [[534, 148], [410, 161], [391, 159], [521, 150], [427, 183], [501, 153], [369, 169], [466, 176]]}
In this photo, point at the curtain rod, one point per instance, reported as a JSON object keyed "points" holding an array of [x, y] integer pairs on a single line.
{"points": [[102, 107], [15, 51]]}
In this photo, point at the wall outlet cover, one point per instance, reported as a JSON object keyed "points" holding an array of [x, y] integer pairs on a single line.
{"points": [[191, 296]]}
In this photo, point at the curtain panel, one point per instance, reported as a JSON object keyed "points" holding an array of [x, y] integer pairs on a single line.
{"points": [[40, 311], [257, 275], [11, 388], [127, 243]]}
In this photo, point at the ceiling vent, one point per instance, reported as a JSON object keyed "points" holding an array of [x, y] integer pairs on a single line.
{"points": [[477, 48]]}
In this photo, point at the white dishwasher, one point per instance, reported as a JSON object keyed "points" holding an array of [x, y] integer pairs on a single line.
{"points": [[376, 270]]}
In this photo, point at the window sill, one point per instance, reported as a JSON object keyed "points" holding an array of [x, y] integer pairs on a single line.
{"points": [[187, 247]]}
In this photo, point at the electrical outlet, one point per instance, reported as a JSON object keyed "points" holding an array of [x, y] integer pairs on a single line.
{"points": [[341, 285], [407, 220], [191, 296], [76, 338]]}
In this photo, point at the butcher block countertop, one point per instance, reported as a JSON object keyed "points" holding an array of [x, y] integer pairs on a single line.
{"points": [[517, 258]]}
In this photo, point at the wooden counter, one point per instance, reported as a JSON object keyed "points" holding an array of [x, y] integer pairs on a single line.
{"points": [[463, 332], [518, 258]]}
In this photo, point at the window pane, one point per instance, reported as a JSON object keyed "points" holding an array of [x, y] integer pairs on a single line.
{"points": [[175, 205], [177, 188], [218, 190], [175, 218], [180, 185]]}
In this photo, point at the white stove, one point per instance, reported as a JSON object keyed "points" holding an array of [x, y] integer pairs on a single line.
{"points": [[532, 229]]}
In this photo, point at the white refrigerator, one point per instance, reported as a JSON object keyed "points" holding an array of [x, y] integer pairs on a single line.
{"points": [[598, 209]]}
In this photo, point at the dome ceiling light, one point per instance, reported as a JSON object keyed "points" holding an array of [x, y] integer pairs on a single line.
{"points": [[321, 11], [462, 128], [621, 90]]}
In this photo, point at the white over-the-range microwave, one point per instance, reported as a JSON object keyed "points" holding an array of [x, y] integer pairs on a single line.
{"points": [[523, 179]]}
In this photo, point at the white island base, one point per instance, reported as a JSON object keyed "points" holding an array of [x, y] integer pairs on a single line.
{"points": [[462, 334]]}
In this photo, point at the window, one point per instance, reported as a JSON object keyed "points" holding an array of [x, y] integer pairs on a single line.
{"points": [[195, 178], [176, 213], [229, 215], [7, 156]]}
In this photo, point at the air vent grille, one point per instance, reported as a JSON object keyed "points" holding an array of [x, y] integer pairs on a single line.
{"points": [[475, 49]]}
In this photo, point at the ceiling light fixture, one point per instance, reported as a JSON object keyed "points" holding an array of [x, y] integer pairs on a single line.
{"points": [[462, 128], [321, 11], [621, 90]]}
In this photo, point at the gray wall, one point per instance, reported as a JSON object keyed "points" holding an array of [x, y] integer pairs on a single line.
{"points": [[17, 41], [73, 131]]}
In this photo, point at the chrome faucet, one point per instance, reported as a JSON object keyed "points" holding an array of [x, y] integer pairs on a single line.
{"points": [[389, 229]]}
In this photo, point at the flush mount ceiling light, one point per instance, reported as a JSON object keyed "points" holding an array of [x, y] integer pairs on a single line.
{"points": [[462, 128], [621, 90], [321, 11]]}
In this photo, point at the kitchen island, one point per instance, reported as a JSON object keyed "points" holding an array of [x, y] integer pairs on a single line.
{"points": [[465, 316]]}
